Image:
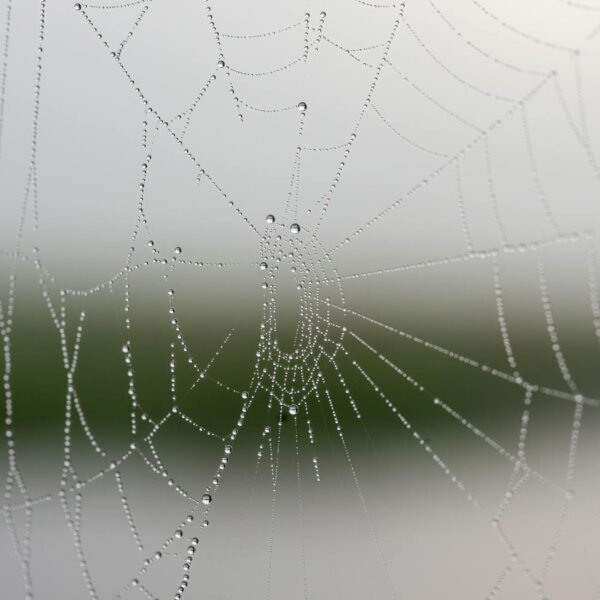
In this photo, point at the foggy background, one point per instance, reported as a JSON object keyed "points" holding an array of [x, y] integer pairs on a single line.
{"points": [[446, 157]]}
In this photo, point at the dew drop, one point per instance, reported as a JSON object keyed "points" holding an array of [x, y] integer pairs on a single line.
{"points": [[293, 410], [177, 250], [270, 219], [206, 499], [302, 106], [263, 266], [77, 6], [295, 228]]}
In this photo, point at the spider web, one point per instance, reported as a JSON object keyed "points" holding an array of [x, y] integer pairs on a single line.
{"points": [[332, 223]]}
